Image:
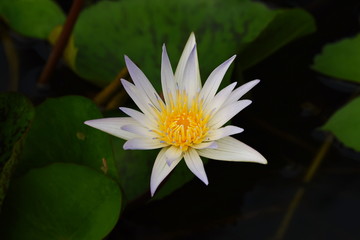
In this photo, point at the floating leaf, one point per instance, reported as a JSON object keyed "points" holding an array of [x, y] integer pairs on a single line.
{"points": [[345, 124], [340, 59], [58, 134], [16, 114], [32, 18], [107, 30], [61, 201], [287, 26]]}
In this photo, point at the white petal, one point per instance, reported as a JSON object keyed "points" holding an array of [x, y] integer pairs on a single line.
{"points": [[167, 77], [241, 91], [139, 130], [113, 126], [223, 132], [172, 154], [213, 82], [228, 112], [142, 82], [231, 149], [143, 143], [140, 99], [179, 73], [205, 145], [184, 56], [139, 117], [190, 83], [160, 170], [216, 103], [195, 164]]}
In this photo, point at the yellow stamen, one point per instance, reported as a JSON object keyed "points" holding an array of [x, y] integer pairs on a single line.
{"points": [[182, 123]]}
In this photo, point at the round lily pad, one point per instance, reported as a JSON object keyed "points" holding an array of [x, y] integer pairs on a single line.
{"points": [[32, 18], [61, 201]]}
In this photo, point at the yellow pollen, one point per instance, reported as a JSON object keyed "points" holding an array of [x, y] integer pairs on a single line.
{"points": [[181, 123]]}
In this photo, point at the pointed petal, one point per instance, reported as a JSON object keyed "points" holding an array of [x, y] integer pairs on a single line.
{"points": [[140, 99], [228, 112], [172, 154], [143, 143], [223, 132], [139, 117], [179, 73], [190, 83], [241, 91], [206, 145], [167, 77], [139, 130], [142, 82], [184, 57], [213, 82], [113, 126], [195, 164], [216, 103], [160, 170], [231, 149]]}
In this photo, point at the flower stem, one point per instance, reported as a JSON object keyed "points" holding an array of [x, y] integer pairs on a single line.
{"points": [[110, 90], [300, 192], [116, 101], [61, 42], [11, 57]]}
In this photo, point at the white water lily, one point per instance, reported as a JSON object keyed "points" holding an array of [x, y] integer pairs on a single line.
{"points": [[188, 122]]}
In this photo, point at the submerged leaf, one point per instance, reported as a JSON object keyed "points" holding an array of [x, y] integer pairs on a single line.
{"points": [[134, 169], [16, 114], [61, 201]]}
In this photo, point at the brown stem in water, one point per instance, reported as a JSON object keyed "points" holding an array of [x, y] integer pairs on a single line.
{"points": [[110, 90], [300, 192], [11, 57], [61, 42]]}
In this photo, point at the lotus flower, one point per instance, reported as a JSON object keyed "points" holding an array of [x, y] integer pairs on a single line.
{"points": [[188, 122]]}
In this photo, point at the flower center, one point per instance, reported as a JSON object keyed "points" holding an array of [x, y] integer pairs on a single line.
{"points": [[182, 124]]}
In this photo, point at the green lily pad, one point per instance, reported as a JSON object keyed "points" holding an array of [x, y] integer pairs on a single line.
{"points": [[345, 124], [287, 26], [107, 30], [340, 59], [16, 114], [61, 201], [58, 134], [32, 18]]}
